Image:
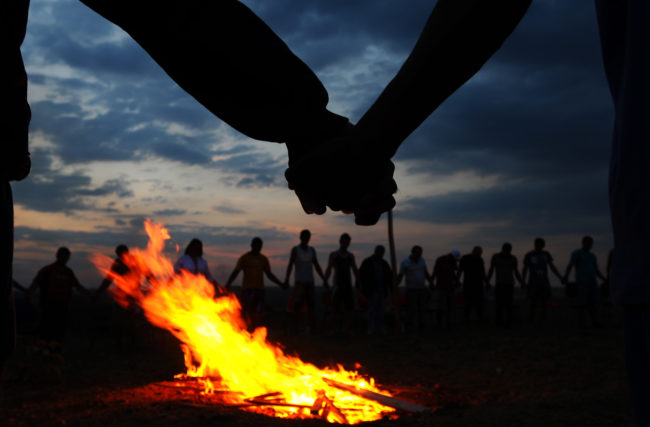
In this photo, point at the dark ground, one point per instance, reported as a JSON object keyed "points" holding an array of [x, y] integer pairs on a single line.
{"points": [[555, 373]]}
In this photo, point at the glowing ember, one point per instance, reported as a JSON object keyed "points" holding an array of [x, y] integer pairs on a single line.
{"points": [[217, 345]]}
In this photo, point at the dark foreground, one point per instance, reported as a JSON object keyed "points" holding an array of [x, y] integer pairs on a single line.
{"points": [[555, 373]]}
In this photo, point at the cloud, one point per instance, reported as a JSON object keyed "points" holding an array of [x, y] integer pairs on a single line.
{"points": [[49, 190], [228, 210], [170, 212]]}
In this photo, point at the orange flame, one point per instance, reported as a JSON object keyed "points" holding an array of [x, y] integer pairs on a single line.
{"points": [[216, 343]]}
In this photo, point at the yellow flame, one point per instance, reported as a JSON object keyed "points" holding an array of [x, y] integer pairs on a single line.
{"points": [[216, 344]]}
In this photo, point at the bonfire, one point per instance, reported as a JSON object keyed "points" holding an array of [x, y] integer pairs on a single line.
{"points": [[243, 368]]}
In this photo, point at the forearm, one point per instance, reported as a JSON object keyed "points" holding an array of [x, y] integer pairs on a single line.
{"points": [[458, 38]]}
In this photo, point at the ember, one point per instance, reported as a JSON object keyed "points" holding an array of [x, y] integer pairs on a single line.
{"points": [[227, 361]]}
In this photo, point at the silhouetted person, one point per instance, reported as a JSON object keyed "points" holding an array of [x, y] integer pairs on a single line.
{"points": [[124, 320], [342, 262], [587, 274], [376, 279], [192, 261], [504, 264], [414, 271], [472, 269], [55, 283], [537, 262], [255, 266], [303, 257], [444, 280]]}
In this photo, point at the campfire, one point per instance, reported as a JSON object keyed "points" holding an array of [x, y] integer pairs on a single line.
{"points": [[230, 364]]}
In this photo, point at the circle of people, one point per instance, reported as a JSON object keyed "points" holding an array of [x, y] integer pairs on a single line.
{"points": [[374, 279]]}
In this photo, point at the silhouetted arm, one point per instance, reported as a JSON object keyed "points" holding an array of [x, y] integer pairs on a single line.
{"points": [[272, 278], [328, 270], [517, 275], [490, 272], [569, 267], [18, 286], [355, 270], [317, 267], [554, 270], [458, 38], [292, 259], [232, 277]]}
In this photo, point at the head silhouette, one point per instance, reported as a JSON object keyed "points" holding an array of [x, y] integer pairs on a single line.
{"points": [[379, 251], [416, 252], [539, 244], [506, 248], [62, 255], [305, 235], [120, 250], [194, 248], [587, 243], [344, 240], [256, 245], [477, 251]]}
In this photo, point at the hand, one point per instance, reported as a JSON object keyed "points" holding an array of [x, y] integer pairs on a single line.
{"points": [[347, 175]]}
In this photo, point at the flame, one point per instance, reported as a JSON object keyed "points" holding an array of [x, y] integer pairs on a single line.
{"points": [[216, 343]]}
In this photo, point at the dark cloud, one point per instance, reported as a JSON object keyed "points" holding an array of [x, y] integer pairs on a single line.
{"points": [[228, 210], [170, 212], [49, 190]]}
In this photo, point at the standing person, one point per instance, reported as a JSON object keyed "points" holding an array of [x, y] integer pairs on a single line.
{"points": [[55, 283], [537, 262], [192, 261], [587, 273], [304, 258], [505, 265], [472, 268], [343, 263], [125, 319], [444, 280], [414, 271], [376, 279], [255, 266]]}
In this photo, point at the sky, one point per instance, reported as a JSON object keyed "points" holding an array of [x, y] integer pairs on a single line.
{"points": [[518, 152]]}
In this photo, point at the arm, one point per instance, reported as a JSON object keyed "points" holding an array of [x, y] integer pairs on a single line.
{"points": [[518, 276], [554, 270], [232, 278], [18, 286], [79, 286], [272, 278], [569, 267], [355, 270], [319, 271], [490, 272], [292, 259], [328, 270], [458, 38], [525, 272], [599, 274]]}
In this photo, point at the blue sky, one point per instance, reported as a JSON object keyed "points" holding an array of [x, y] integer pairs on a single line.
{"points": [[520, 151]]}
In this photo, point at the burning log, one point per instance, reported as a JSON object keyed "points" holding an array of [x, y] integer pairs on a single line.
{"points": [[392, 402]]}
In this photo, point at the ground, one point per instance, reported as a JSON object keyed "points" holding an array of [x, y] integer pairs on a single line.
{"points": [[543, 373]]}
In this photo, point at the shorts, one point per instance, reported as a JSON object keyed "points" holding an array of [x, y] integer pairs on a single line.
{"points": [[252, 301], [586, 294], [539, 291], [343, 297], [303, 293]]}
